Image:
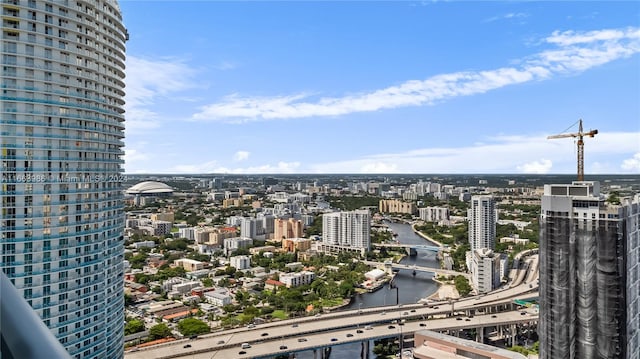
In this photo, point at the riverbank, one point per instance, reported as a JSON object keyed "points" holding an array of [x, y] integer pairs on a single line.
{"points": [[445, 291], [413, 227]]}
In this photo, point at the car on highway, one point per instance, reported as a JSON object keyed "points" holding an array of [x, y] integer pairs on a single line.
{"points": [[391, 327], [193, 337], [494, 316], [423, 325], [295, 325], [458, 318], [302, 340], [334, 339], [523, 313], [468, 320], [413, 310], [251, 326], [246, 346], [359, 331], [264, 334], [220, 342], [283, 347], [368, 327], [349, 335], [242, 352], [187, 346], [405, 313]]}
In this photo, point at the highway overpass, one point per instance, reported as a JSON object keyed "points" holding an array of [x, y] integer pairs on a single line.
{"points": [[227, 343], [289, 340]]}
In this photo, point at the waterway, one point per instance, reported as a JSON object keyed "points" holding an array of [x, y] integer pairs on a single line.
{"points": [[411, 288]]}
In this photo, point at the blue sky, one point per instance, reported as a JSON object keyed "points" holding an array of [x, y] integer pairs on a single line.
{"points": [[380, 87]]}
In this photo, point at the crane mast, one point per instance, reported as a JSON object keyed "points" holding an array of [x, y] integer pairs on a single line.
{"points": [[579, 135]]}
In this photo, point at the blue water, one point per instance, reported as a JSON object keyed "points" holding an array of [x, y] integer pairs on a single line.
{"points": [[411, 289]]}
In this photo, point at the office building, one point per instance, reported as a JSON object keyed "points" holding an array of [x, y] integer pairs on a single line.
{"points": [[589, 274], [482, 222], [61, 147], [347, 229]]}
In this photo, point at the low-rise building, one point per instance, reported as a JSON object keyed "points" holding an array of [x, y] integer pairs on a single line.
{"points": [[257, 250], [219, 297], [161, 228], [240, 262], [296, 244], [433, 345], [189, 265], [297, 279], [144, 244]]}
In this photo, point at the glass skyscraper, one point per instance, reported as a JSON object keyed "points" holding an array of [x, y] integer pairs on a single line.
{"points": [[62, 129], [589, 274]]}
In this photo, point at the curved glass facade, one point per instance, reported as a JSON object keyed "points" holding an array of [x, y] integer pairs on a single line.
{"points": [[62, 126]]}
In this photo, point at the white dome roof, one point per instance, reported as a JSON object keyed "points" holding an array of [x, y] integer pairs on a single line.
{"points": [[149, 187]]}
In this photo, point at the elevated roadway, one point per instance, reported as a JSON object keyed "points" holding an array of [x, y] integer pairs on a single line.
{"points": [[327, 324], [298, 339]]}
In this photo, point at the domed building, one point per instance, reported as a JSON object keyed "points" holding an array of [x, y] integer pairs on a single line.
{"points": [[147, 192], [150, 188]]}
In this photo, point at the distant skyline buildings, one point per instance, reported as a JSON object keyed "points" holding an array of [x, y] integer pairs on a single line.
{"points": [[61, 146], [589, 274]]}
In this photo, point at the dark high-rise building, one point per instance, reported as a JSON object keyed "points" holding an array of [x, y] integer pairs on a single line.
{"points": [[589, 274], [62, 126]]}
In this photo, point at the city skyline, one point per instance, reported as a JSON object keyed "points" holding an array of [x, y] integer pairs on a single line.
{"points": [[408, 87]]}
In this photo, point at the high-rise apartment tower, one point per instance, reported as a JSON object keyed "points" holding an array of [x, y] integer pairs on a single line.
{"points": [[61, 147], [589, 274], [347, 229], [482, 222]]}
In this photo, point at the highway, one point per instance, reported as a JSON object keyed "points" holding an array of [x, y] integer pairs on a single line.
{"points": [[326, 325], [291, 339]]}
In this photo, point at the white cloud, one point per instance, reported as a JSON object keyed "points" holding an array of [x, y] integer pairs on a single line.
{"points": [[511, 15], [214, 167], [241, 155], [539, 167], [146, 82], [503, 154], [379, 167], [133, 155], [574, 52], [632, 164]]}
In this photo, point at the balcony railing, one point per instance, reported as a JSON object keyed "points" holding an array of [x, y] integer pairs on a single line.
{"points": [[22, 333]]}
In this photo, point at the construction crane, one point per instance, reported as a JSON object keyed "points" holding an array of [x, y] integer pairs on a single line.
{"points": [[580, 134]]}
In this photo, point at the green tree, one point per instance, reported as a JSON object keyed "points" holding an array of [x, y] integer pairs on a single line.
{"points": [[159, 331], [462, 285], [193, 326], [207, 282], [133, 326]]}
